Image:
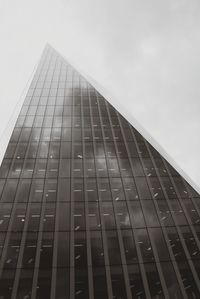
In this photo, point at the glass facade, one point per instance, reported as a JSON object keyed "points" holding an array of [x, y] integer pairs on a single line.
{"points": [[88, 208]]}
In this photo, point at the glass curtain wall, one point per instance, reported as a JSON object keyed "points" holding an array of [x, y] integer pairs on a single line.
{"points": [[88, 208]]}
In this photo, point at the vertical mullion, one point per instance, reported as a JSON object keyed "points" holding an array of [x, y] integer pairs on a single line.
{"points": [[141, 264], [121, 246], [163, 229], [40, 232], [24, 232], [72, 243], [104, 239], [88, 241], [55, 241]]}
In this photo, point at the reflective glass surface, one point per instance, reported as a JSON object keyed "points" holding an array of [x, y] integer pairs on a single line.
{"points": [[88, 208]]}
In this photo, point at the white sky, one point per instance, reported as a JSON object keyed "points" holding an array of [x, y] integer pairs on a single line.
{"points": [[143, 55]]}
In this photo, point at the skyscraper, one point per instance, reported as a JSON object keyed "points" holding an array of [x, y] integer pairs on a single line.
{"points": [[88, 208]]}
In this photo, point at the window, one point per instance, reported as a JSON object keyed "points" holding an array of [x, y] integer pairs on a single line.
{"points": [[79, 216], [63, 243], [9, 190], [150, 213], [129, 246], [113, 248], [80, 251], [142, 238], [97, 249], [93, 216], [108, 215], [122, 215]]}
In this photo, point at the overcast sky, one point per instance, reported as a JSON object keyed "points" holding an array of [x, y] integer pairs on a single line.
{"points": [[143, 55]]}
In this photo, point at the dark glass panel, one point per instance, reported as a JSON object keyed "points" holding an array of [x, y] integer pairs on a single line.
{"points": [[15, 135], [25, 284], [175, 243], [63, 216], [80, 250], [89, 168], [53, 168], [49, 217], [188, 280], [62, 283], [99, 283], [91, 189], [193, 213], [154, 281], [149, 167], [11, 257], [136, 214], [28, 168], [77, 190], [104, 189], [16, 169], [136, 282], [18, 217], [40, 168], [50, 190], [10, 150], [65, 150], [93, 216], [63, 243], [137, 167], [142, 238], [44, 284], [118, 284], [101, 167], [161, 167], [180, 187], [99, 150], [29, 253], [159, 242], [129, 247], [5, 213], [23, 189], [81, 283], [142, 149], [121, 149], [142, 187], [117, 189], [156, 188], [164, 213], [97, 251], [32, 150], [77, 168], [178, 212], [113, 248], [169, 188], [34, 217], [5, 167], [190, 242], [63, 190], [79, 216], [9, 190], [108, 215], [171, 281], [113, 168], [121, 214], [36, 193], [46, 250], [130, 189], [6, 283], [125, 167], [150, 213]]}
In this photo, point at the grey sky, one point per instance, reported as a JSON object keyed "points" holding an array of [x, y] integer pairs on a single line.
{"points": [[144, 55]]}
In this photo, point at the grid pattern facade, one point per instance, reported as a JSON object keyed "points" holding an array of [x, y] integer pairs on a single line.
{"points": [[88, 208]]}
